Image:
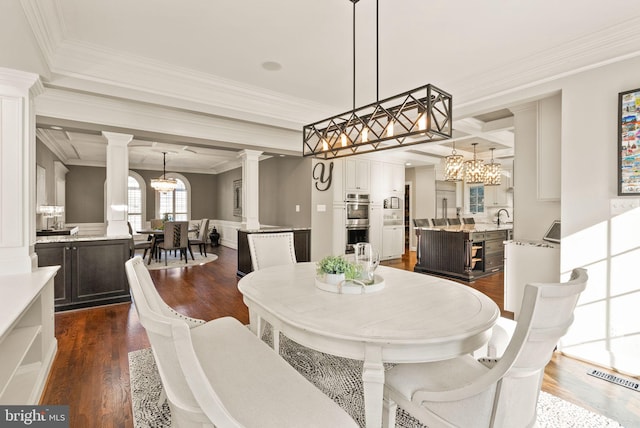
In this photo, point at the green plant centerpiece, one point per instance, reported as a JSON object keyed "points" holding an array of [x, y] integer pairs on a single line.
{"points": [[337, 268]]}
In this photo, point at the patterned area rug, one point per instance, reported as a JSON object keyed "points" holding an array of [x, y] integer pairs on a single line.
{"points": [[175, 262], [340, 379]]}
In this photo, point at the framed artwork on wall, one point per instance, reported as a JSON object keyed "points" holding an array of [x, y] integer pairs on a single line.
{"points": [[629, 142], [237, 198]]}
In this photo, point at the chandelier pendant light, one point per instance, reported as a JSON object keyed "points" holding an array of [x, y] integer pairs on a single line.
{"points": [[492, 172], [164, 184], [454, 166], [474, 169], [417, 116]]}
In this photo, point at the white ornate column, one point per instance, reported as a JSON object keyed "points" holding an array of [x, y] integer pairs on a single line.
{"points": [[18, 170], [250, 188], [117, 175]]}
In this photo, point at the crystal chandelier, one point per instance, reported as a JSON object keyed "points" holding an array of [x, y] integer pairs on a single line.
{"points": [[454, 166], [164, 184], [474, 169], [492, 173], [418, 116]]}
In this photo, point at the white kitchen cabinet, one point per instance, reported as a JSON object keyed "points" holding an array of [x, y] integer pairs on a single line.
{"points": [[502, 195], [393, 178], [377, 191], [356, 175], [339, 231], [392, 242], [375, 227]]}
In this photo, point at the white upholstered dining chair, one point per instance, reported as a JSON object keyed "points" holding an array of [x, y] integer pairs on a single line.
{"points": [[155, 316], [217, 373], [271, 249], [465, 392]]}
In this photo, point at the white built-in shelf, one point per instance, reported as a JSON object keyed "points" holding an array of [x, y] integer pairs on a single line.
{"points": [[27, 341]]}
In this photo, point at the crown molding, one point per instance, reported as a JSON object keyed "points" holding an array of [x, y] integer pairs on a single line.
{"points": [[600, 48], [51, 142], [113, 73], [45, 19]]}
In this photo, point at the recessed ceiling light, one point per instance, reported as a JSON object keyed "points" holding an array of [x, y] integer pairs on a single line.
{"points": [[271, 65], [408, 164], [281, 156], [57, 128]]}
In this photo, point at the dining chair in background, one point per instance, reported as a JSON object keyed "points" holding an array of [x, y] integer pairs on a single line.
{"points": [[469, 220], [421, 222], [489, 392], [176, 237], [439, 221], [140, 245], [454, 221], [201, 238]]}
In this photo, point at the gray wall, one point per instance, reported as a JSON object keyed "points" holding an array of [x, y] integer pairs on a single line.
{"points": [[85, 194], [203, 193], [45, 159], [284, 183], [224, 196]]}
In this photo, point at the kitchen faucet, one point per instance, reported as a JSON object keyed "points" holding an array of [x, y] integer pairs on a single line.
{"points": [[498, 214]]}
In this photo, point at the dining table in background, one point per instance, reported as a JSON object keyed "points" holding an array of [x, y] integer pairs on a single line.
{"points": [[413, 318], [154, 234]]}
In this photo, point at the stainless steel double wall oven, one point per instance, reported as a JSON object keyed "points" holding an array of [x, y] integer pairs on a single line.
{"points": [[357, 219]]}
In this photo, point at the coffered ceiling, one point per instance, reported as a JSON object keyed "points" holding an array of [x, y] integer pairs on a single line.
{"points": [[204, 79]]}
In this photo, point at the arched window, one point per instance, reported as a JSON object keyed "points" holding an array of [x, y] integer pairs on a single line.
{"points": [[175, 205], [136, 200]]}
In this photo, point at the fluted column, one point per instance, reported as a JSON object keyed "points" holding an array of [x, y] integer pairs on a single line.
{"points": [[117, 174], [17, 170]]}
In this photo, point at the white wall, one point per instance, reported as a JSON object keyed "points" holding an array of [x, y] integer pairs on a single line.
{"points": [[533, 210], [606, 329], [322, 221], [607, 326], [424, 203]]}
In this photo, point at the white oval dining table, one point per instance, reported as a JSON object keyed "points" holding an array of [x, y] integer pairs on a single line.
{"points": [[414, 318]]}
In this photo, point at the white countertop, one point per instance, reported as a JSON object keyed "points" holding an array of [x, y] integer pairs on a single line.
{"points": [[76, 238], [18, 292], [478, 227]]}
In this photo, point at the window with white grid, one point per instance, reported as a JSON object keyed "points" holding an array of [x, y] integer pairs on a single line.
{"points": [[134, 197], [175, 204]]}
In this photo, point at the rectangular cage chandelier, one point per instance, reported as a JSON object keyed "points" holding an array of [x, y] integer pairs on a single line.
{"points": [[421, 115], [418, 116]]}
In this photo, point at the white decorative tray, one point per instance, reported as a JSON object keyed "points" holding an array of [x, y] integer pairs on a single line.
{"points": [[352, 287]]}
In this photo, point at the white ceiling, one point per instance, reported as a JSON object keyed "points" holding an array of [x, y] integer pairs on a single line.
{"points": [[205, 59]]}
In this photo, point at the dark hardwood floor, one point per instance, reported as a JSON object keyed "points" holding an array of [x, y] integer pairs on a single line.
{"points": [[91, 369]]}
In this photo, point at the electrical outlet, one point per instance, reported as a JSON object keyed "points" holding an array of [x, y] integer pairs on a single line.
{"points": [[297, 208]]}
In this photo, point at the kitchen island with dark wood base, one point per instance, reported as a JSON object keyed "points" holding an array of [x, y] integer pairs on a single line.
{"points": [[466, 252]]}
